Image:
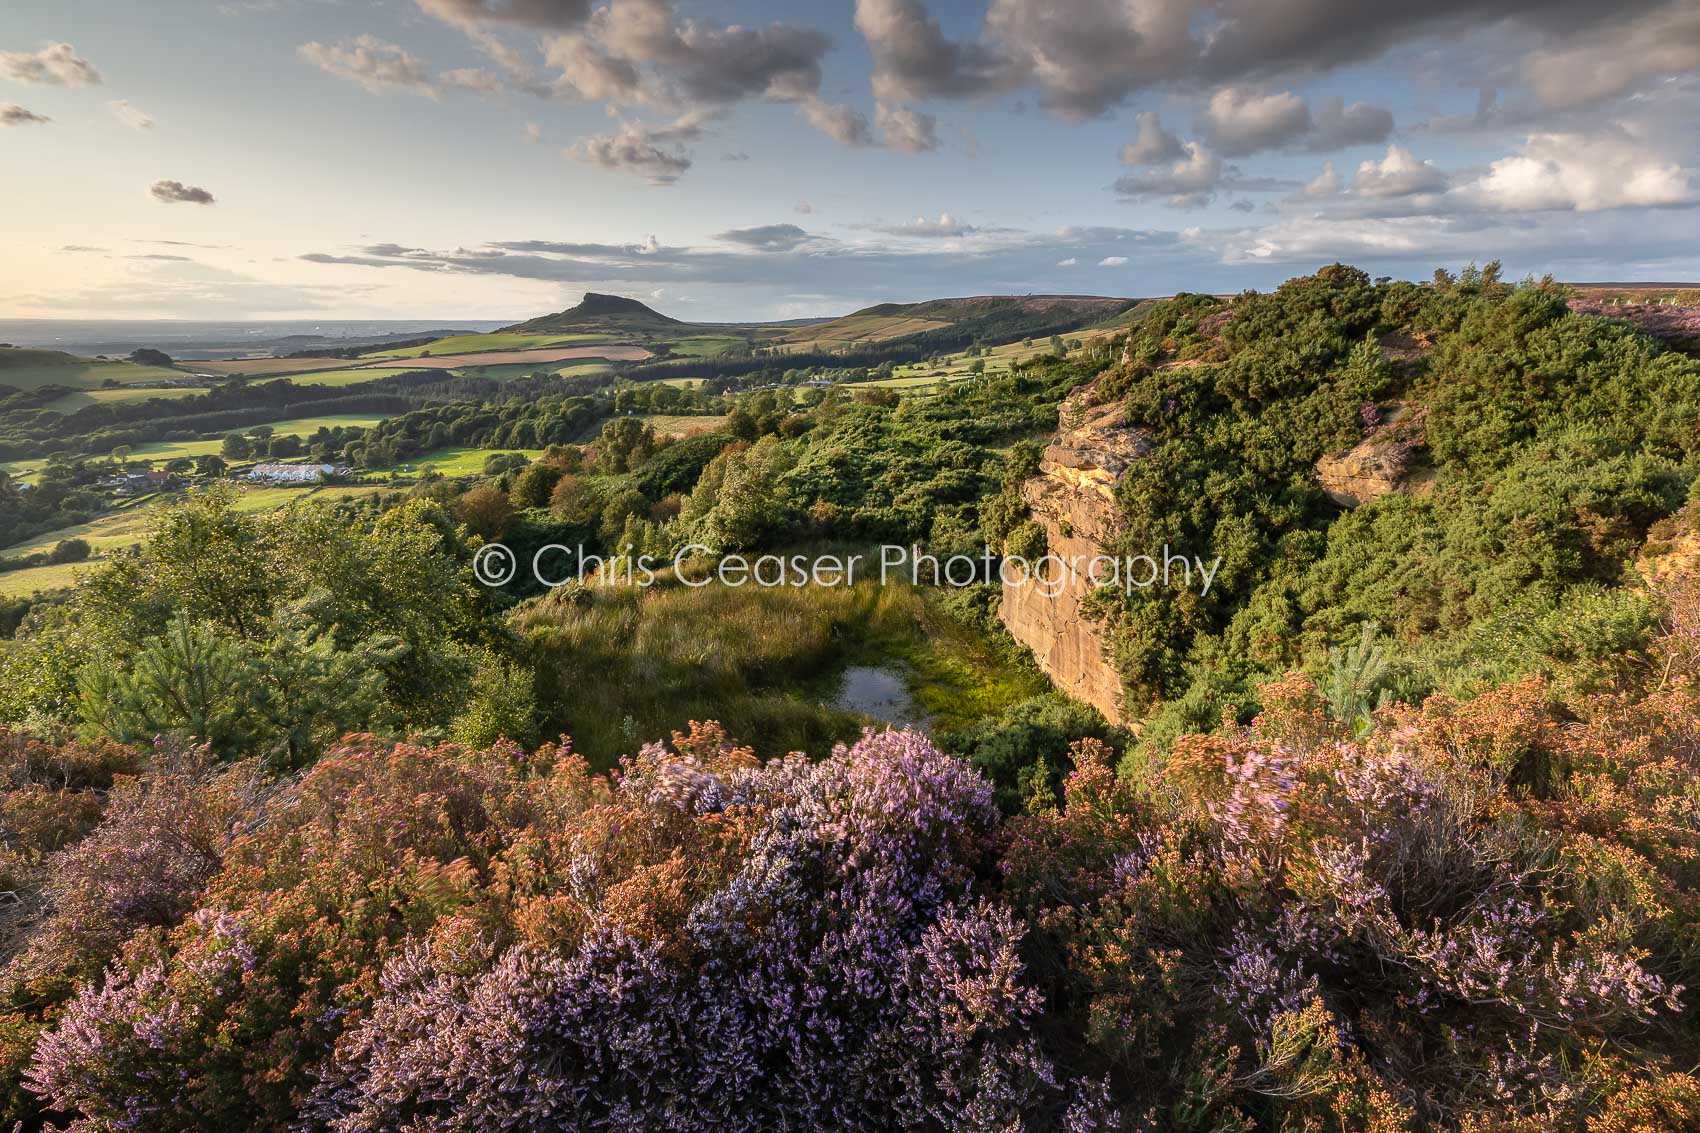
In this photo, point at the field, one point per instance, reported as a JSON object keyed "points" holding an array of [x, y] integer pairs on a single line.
{"points": [[463, 461], [32, 369], [682, 426], [486, 343], [269, 367], [706, 345], [854, 329], [72, 402], [303, 427], [618, 353]]}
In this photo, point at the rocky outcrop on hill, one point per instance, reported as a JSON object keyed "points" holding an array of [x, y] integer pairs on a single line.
{"points": [[1391, 458], [1073, 500]]}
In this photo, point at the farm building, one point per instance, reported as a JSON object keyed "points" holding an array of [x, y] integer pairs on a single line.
{"points": [[295, 473]]}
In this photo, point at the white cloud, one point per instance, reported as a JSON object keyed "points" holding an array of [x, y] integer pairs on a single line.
{"points": [[1582, 172], [1398, 174], [1112, 262], [653, 152], [1240, 121], [56, 65], [375, 64], [130, 115], [1072, 261], [1325, 184], [11, 114], [945, 226], [1186, 183], [1151, 143]]}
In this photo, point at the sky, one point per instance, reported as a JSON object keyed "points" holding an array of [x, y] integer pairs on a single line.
{"points": [[753, 159]]}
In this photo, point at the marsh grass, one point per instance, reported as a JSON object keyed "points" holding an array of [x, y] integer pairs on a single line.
{"points": [[616, 664]]}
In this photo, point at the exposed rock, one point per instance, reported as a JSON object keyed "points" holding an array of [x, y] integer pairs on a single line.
{"points": [[1391, 458], [1673, 545], [1073, 500]]}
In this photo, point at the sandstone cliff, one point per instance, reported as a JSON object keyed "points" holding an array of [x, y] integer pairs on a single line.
{"points": [[1390, 458], [1073, 499]]}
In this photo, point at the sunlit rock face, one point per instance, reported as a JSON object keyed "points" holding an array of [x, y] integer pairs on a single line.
{"points": [[1392, 457], [1073, 499]]}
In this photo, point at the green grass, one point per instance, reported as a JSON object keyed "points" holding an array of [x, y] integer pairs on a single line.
{"points": [[479, 343], [339, 377], [623, 663], [463, 461], [303, 427], [706, 345], [72, 402], [666, 426], [22, 583], [32, 369]]}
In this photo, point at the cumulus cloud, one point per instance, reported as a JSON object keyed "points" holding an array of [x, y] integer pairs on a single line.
{"points": [[526, 13], [375, 64], [1325, 184], [1619, 61], [11, 114], [1072, 261], [908, 130], [655, 153], [767, 237], [1186, 182], [1336, 125], [1584, 173], [1086, 57], [1239, 121], [1398, 174], [57, 64], [130, 115], [177, 193], [945, 227], [1112, 262], [841, 123], [913, 59], [474, 79], [1151, 143]]}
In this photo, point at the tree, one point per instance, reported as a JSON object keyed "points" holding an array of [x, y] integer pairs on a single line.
{"points": [[533, 487], [485, 511], [149, 357], [70, 551], [236, 447]]}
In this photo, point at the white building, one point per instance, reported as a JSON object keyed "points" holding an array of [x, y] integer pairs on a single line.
{"points": [[295, 473]]}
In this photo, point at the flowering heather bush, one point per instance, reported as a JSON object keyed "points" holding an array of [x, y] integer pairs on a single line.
{"points": [[1678, 324], [1469, 915]]}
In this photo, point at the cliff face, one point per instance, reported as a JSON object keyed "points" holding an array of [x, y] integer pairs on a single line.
{"points": [[1390, 458], [1073, 499]]}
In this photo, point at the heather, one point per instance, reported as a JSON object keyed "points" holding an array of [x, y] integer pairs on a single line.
{"points": [[1462, 914]]}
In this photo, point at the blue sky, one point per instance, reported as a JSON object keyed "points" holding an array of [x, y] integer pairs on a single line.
{"points": [[724, 160]]}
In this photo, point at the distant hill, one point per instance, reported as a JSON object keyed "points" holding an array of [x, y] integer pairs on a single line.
{"points": [[950, 324], [1087, 307], [601, 313]]}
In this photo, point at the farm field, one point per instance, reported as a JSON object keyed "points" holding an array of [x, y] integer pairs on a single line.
{"points": [[333, 378], [616, 353], [854, 329], [269, 367], [665, 426], [486, 343], [32, 369], [706, 345], [72, 402], [298, 427], [462, 461]]}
